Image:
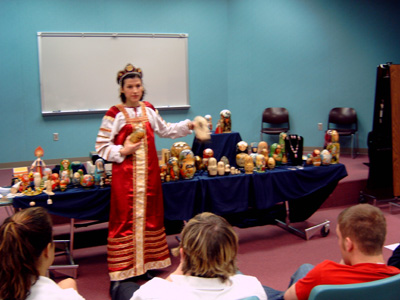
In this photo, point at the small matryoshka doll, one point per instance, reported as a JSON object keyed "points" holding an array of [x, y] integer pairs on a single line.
{"points": [[199, 163], [226, 121], [221, 168], [253, 151], [276, 153], [263, 149], [173, 168], [248, 165], [271, 163], [212, 167], [187, 164], [260, 163], [163, 172], [207, 154], [241, 153], [178, 147], [326, 157], [316, 157]]}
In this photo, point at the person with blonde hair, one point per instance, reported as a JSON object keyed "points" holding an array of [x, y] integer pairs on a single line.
{"points": [[26, 252], [207, 269]]}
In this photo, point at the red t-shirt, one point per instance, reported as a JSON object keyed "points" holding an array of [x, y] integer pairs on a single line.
{"points": [[329, 272]]}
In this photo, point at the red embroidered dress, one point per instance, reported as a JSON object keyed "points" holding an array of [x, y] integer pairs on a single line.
{"points": [[136, 238]]}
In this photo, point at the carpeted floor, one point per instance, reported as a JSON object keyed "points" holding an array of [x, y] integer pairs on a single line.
{"points": [[267, 252]]}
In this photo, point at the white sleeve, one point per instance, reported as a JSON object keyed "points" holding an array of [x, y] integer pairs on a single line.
{"points": [[168, 130], [105, 146]]}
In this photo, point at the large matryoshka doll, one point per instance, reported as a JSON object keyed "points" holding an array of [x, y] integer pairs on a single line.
{"points": [[178, 147], [282, 137], [241, 153], [187, 164]]}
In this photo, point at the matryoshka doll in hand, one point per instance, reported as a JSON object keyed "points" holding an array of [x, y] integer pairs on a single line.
{"points": [[187, 164]]}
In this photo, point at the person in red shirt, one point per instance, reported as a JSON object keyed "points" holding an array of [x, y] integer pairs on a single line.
{"points": [[361, 232]]}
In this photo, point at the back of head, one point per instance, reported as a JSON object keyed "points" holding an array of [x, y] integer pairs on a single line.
{"points": [[210, 247], [23, 237], [365, 225]]}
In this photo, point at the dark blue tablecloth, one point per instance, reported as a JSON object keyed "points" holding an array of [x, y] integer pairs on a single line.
{"points": [[221, 194], [223, 144]]}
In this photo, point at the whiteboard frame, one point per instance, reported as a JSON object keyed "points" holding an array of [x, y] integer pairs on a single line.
{"points": [[41, 35]]}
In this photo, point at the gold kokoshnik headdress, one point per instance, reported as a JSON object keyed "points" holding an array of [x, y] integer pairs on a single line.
{"points": [[129, 69]]}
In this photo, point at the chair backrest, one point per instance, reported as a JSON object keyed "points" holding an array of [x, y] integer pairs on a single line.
{"points": [[342, 117], [275, 115], [275, 119], [388, 289]]}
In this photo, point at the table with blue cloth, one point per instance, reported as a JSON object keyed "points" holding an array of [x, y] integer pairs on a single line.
{"points": [[223, 144], [305, 188]]}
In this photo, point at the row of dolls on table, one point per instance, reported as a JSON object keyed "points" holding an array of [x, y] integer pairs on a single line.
{"points": [[180, 163], [41, 178]]}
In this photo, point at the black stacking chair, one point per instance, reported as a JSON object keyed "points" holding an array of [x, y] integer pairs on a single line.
{"points": [[274, 121]]}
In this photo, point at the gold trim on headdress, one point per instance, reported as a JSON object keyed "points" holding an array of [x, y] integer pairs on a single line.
{"points": [[129, 69]]}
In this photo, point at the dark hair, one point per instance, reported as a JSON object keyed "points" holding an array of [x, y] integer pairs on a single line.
{"points": [[131, 75], [365, 225], [23, 237]]}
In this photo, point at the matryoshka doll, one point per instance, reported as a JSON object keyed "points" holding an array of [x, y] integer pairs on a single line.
{"points": [[212, 167], [263, 149], [271, 163], [187, 164], [207, 154], [316, 157], [282, 137], [221, 168], [241, 153], [276, 153], [248, 165], [173, 168], [326, 157], [260, 163], [226, 120], [334, 147], [163, 172], [178, 147], [199, 163]]}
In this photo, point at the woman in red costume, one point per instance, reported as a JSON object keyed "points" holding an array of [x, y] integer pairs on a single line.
{"points": [[136, 239]]}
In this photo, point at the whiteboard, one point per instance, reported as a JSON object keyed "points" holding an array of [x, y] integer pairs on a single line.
{"points": [[78, 71]]}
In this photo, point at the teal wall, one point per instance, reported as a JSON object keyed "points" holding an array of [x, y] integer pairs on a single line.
{"points": [[308, 56]]}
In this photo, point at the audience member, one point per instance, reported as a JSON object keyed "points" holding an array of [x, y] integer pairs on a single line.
{"points": [[361, 232], [26, 252], [207, 268]]}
